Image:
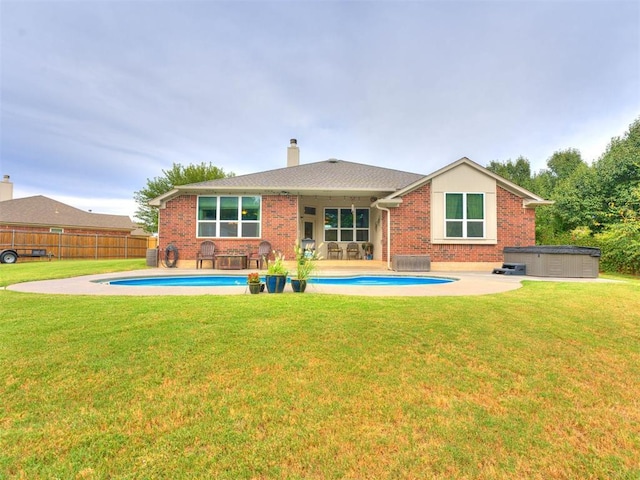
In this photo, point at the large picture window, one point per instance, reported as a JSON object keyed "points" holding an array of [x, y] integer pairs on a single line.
{"points": [[464, 215], [229, 217], [346, 225]]}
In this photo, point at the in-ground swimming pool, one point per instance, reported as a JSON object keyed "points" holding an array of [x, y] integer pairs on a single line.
{"points": [[239, 280]]}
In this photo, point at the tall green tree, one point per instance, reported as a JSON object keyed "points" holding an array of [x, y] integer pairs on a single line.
{"points": [[618, 172], [176, 175], [620, 241], [518, 172], [578, 201], [595, 204], [564, 162], [594, 196], [553, 183]]}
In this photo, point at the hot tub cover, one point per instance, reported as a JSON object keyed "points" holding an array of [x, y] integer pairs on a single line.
{"points": [[555, 249]]}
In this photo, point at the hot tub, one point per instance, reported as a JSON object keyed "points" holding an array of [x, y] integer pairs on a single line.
{"points": [[567, 261]]}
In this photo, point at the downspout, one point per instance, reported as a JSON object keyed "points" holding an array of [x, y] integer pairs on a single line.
{"points": [[388, 233]]}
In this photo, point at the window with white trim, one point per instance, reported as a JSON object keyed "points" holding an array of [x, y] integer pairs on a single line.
{"points": [[229, 216], [346, 225], [464, 215]]}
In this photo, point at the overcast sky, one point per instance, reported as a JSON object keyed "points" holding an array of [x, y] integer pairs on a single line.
{"points": [[99, 96]]}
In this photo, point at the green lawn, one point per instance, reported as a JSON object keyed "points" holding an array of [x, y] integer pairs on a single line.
{"points": [[542, 382]]}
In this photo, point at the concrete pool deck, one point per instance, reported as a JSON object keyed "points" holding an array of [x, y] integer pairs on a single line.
{"points": [[468, 283]]}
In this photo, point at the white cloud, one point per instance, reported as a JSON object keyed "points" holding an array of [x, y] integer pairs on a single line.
{"points": [[99, 96]]}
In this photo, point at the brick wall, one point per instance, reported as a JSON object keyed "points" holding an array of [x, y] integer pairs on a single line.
{"points": [[516, 225], [178, 225], [411, 230], [410, 224], [280, 222]]}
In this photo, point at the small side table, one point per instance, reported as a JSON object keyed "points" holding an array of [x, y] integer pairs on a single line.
{"points": [[231, 262]]}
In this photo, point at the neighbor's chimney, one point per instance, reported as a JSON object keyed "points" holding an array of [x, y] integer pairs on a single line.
{"points": [[6, 189], [293, 154]]}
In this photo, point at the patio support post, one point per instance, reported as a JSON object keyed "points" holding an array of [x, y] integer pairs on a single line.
{"points": [[388, 233]]}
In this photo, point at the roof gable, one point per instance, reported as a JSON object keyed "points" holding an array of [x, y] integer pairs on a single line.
{"points": [[529, 197], [40, 210]]}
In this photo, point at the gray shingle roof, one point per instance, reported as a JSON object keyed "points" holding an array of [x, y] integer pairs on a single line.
{"points": [[40, 210], [326, 175]]}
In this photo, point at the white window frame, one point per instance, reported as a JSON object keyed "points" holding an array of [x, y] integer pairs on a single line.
{"points": [[464, 220], [353, 229], [240, 222]]}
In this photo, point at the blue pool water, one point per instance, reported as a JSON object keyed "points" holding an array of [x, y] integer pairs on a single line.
{"points": [[237, 280]]}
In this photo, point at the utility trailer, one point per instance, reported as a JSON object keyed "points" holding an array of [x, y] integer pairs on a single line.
{"points": [[11, 255]]}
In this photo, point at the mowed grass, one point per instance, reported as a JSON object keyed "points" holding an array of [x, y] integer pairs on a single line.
{"points": [[542, 382], [43, 270]]}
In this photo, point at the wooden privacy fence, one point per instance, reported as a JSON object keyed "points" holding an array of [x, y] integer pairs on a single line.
{"points": [[76, 245]]}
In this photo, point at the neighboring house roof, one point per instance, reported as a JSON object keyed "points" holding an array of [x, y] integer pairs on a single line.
{"points": [[319, 178], [140, 232], [40, 210]]}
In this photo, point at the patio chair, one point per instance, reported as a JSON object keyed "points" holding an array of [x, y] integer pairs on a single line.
{"points": [[353, 251], [207, 252], [262, 255], [333, 249]]}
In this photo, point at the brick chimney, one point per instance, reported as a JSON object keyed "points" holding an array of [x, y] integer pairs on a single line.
{"points": [[293, 154], [6, 189]]}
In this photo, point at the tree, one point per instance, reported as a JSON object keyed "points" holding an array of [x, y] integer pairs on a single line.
{"points": [[177, 175], [594, 196], [601, 199], [518, 172], [618, 171], [564, 162], [552, 222], [578, 201], [620, 241]]}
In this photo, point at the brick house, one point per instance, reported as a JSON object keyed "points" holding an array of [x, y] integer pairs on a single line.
{"points": [[461, 216]]}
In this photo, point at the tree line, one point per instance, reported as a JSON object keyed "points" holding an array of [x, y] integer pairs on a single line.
{"points": [[595, 205]]}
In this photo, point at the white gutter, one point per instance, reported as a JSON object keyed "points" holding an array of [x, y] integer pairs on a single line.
{"points": [[527, 202]]}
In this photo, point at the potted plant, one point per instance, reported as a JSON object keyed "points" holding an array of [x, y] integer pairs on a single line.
{"points": [[255, 285], [368, 250], [305, 266], [277, 272]]}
